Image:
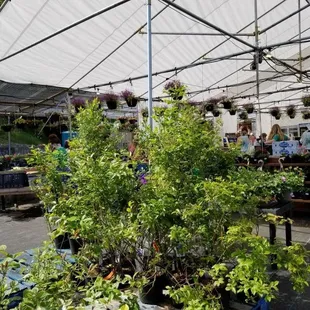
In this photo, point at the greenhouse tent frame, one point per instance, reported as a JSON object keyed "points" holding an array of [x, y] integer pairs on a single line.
{"points": [[272, 16]]}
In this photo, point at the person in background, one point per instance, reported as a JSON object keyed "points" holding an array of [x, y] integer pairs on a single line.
{"points": [[244, 141], [261, 140], [59, 151], [305, 139], [276, 134]]}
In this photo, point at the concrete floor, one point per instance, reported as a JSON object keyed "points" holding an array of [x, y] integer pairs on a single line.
{"points": [[22, 230]]}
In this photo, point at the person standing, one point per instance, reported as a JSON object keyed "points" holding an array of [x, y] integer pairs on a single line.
{"points": [[244, 141], [276, 134]]}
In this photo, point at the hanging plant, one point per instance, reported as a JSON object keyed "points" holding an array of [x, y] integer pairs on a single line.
{"points": [[227, 103], [111, 100], [132, 120], [78, 104], [211, 104], [306, 100], [145, 112], [122, 119], [130, 98], [175, 89], [7, 128], [216, 113], [249, 107], [243, 115], [275, 112], [55, 118], [291, 111], [306, 114], [233, 110], [20, 123]]}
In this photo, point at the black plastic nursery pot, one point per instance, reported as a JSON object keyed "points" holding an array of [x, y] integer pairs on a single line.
{"points": [[62, 242], [131, 102], [152, 293], [75, 245], [112, 105]]}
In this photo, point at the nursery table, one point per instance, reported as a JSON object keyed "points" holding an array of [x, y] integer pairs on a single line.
{"points": [[282, 209]]}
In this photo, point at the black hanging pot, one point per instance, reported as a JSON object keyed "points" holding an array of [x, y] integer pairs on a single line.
{"points": [[232, 112], [209, 107], [122, 120], [132, 102], [227, 105], [216, 113], [277, 117], [250, 110], [112, 104], [7, 128]]}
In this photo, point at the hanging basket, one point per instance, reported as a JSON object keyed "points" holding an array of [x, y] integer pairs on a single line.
{"points": [[209, 107], [277, 117], [7, 128], [274, 112], [131, 102], [227, 104], [216, 113], [232, 112], [306, 100], [112, 104], [249, 108], [243, 115]]}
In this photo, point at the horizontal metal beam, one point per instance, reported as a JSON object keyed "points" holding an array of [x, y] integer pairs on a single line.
{"points": [[215, 34], [205, 22]]}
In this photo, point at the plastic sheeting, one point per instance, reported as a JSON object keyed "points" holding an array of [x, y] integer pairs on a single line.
{"points": [[64, 59]]}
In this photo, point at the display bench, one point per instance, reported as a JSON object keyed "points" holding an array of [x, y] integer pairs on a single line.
{"points": [[274, 163]]}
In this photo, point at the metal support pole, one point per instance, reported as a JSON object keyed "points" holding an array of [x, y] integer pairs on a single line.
{"points": [[257, 65], [149, 60], [9, 136], [69, 115], [299, 35]]}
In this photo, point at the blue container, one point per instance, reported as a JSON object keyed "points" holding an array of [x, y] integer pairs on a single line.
{"points": [[65, 135]]}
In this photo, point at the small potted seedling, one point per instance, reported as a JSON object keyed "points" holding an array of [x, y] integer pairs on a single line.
{"points": [[233, 110], [175, 89], [306, 100], [243, 115], [291, 111], [111, 100], [129, 97], [249, 108]]}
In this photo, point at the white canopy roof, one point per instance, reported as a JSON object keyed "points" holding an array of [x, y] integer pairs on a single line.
{"points": [[62, 60]]}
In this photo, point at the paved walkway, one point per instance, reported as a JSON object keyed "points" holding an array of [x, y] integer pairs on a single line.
{"points": [[21, 231]]}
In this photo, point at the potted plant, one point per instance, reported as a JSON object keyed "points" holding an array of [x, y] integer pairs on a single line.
{"points": [[175, 89], [233, 110], [123, 119], [7, 127], [306, 100], [111, 100], [78, 103], [129, 97], [243, 115], [275, 111], [227, 103], [20, 123], [145, 113], [249, 107], [211, 104], [216, 112], [291, 111], [306, 114]]}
